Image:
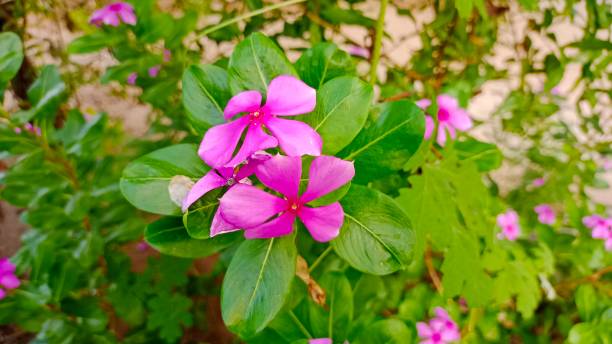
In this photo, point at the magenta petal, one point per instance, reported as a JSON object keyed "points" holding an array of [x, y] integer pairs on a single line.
{"points": [[246, 206], [441, 313], [252, 162], [210, 181], [460, 120], [423, 103], [128, 16], [448, 102], [220, 141], [6, 266], [324, 222], [282, 174], [9, 281], [320, 341], [423, 330], [295, 138], [429, 126], [279, 226], [441, 138], [327, 173], [255, 140], [98, 16], [111, 19], [219, 225], [247, 101], [289, 96]]}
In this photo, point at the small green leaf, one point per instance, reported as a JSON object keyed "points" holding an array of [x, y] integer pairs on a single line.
{"points": [[255, 62], [199, 218], [376, 236], [256, 283], [11, 56], [146, 180], [486, 156], [323, 62], [335, 319], [205, 93], [93, 42], [46, 93], [168, 313]]}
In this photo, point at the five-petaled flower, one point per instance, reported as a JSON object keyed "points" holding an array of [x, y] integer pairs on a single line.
{"points": [[440, 330], [451, 117], [546, 214], [254, 210], [601, 228], [508, 222], [218, 178], [8, 279], [287, 96], [113, 14]]}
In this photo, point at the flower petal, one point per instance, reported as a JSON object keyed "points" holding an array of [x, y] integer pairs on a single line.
{"points": [[282, 174], [320, 341], [423, 330], [441, 313], [448, 102], [289, 96], [220, 141], [246, 206], [423, 103], [127, 16], [279, 226], [295, 138], [2, 294], [111, 19], [327, 173], [9, 281], [220, 226], [247, 101], [429, 126], [253, 161], [255, 140], [441, 138], [6, 266], [210, 181], [324, 222], [460, 120]]}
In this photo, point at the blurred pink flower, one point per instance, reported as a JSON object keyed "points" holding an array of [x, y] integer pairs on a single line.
{"points": [[358, 51], [287, 96], [546, 214], [113, 14], [451, 118], [601, 228], [167, 55], [131, 79], [154, 71], [254, 210], [320, 341], [33, 129], [509, 224], [440, 330], [17, 130], [8, 279], [538, 182]]}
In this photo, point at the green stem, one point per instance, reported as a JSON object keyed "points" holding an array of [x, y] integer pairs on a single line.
{"points": [[380, 23], [320, 258], [299, 324], [249, 15]]}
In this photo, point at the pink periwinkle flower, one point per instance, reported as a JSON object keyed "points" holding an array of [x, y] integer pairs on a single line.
{"points": [[131, 79], [113, 14], [509, 224], [287, 96], [358, 51], [221, 177], [8, 279], [601, 228], [451, 118], [254, 210], [154, 71], [440, 330], [320, 341], [167, 55], [17, 130], [32, 129], [546, 214], [538, 182]]}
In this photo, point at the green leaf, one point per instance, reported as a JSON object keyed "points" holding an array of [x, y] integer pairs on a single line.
{"points": [[169, 236], [464, 7], [586, 302], [205, 93], [337, 15], [168, 313], [323, 62], [389, 331], [11, 57], [376, 236], [145, 182], [255, 62], [256, 283], [334, 321], [385, 146], [199, 218], [46, 93], [518, 278], [94, 42], [342, 109], [486, 156]]}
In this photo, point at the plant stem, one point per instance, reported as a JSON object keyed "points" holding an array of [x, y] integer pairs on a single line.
{"points": [[299, 324], [248, 15], [320, 258], [380, 28]]}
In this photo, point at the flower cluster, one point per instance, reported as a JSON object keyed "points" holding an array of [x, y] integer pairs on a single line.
{"points": [[8, 279], [601, 228], [261, 214], [113, 14], [451, 118], [546, 214], [441, 329], [509, 224]]}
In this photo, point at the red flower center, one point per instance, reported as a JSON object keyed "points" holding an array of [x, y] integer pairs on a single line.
{"points": [[443, 115], [257, 117], [293, 206]]}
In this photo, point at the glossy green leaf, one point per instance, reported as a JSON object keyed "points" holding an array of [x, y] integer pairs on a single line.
{"points": [[200, 215], [342, 109], [205, 93], [256, 283], [396, 135], [376, 236], [169, 236], [323, 62], [335, 319], [11, 56], [145, 182], [255, 62]]}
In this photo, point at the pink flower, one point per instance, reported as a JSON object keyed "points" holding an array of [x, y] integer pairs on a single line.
{"points": [[167, 55], [220, 177], [255, 211], [32, 128], [358, 51], [441, 329], [287, 96], [538, 182], [110, 14], [8, 279], [601, 228], [320, 341], [546, 214], [607, 165], [508, 222], [608, 240], [17, 130], [131, 79], [450, 117], [153, 71]]}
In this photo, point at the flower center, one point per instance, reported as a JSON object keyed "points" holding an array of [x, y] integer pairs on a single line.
{"points": [[443, 115], [257, 117], [230, 181], [115, 7], [293, 206], [436, 337]]}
